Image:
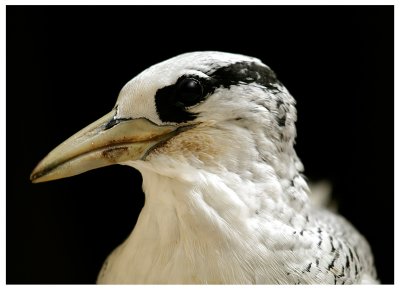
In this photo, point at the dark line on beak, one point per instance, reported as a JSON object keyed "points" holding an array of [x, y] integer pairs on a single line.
{"points": [[115, 121], [46, 170]]}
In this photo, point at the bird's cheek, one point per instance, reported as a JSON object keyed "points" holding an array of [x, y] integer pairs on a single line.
{"points": [[192, 144]]}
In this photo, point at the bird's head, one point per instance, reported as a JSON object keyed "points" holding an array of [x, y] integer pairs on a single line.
{"points": [[200, 109]]}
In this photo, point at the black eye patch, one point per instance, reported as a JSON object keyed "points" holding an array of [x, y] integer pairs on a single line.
{"points": [[172, 101]]}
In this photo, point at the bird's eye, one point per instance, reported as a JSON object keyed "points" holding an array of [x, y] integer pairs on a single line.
{"points": [[189, 92]]}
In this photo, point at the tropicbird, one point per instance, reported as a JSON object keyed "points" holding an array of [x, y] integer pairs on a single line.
{"points": [[212, 134]]}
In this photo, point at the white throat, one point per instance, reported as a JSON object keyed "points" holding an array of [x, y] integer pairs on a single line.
{"points": [[201, 227]]}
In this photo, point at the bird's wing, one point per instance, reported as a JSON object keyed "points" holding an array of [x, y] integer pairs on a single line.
{"points": [[340, 254]]}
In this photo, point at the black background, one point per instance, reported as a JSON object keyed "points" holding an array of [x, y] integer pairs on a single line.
{"points": [[66, 65]]}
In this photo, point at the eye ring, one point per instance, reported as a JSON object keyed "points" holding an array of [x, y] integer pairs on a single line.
{"points": [[189, 92]]}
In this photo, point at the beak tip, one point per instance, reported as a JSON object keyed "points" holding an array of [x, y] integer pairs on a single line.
{"points": [[37, 174], [33, 177]]}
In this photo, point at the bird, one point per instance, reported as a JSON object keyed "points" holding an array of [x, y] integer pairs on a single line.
{"points": [[226, 199]]}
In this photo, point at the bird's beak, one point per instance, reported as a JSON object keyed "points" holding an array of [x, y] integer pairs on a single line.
{"points": [[104, 142]]}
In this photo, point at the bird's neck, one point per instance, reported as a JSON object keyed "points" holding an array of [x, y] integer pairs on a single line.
{"points": [[194, 219], [218, 201], [203, 206]]}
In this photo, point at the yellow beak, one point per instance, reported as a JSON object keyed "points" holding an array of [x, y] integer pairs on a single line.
{"points": [[104, 142]]}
